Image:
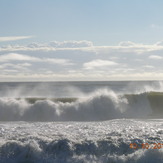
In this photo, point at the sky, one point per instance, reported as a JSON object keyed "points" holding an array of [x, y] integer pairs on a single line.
{"points": [[67, 40]]}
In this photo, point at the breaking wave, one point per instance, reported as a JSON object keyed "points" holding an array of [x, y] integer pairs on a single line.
{"points": [[100, 105], [65, 151]]}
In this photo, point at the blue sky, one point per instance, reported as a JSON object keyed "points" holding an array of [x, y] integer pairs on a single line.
{"points": [[81, 39], [103, 22]]}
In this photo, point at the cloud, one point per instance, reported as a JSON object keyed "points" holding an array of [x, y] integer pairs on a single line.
{"points": [[155, 57], [58, 45], [14, 38], [127, 43], [159, 43], [81, 60], [17, 66], [52, 46], [87, 46], [9, 68], [20, 57], [71, 44], [16, 57], [98, 63], [148, 66]]}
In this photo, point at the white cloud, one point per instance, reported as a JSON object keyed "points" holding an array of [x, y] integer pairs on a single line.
{"points": [[148, 66], [61, 45], [98, 63], [155, 57], [71, 44], [20, 57], [14, 68], [25, 64], [16, 57], [159, 43], [17, 66], [80, 60], [127, 43], [87, 46], [52, 46], [14, 38]]}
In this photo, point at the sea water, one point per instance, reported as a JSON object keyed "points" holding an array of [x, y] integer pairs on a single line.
{"points": [[87, 122]]}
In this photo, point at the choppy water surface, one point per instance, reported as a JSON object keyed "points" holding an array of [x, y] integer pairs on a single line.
{"points": [[107, 141]]}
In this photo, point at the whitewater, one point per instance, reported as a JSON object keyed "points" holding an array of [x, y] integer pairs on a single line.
{"points": [[87, 122]]}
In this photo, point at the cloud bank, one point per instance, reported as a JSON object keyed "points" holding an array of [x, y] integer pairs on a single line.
{"points": [[14, 38], [81, 60]]}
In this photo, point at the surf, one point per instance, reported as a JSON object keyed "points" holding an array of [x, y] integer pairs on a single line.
{"points": [[100, 105]]}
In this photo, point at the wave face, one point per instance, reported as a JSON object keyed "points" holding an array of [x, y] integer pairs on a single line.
{"points": [[84, 142], [101, 105]]}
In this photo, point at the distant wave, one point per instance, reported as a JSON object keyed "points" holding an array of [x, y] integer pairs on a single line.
{"points": [[101, 105]]}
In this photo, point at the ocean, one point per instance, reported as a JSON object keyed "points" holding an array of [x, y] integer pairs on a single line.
{"points": [[81, 122]]}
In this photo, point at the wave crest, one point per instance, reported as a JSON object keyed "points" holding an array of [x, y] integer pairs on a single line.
{"points": [[101, 105]]}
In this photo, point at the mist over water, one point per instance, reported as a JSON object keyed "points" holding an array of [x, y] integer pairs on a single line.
{"points": [[75, 89]]}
